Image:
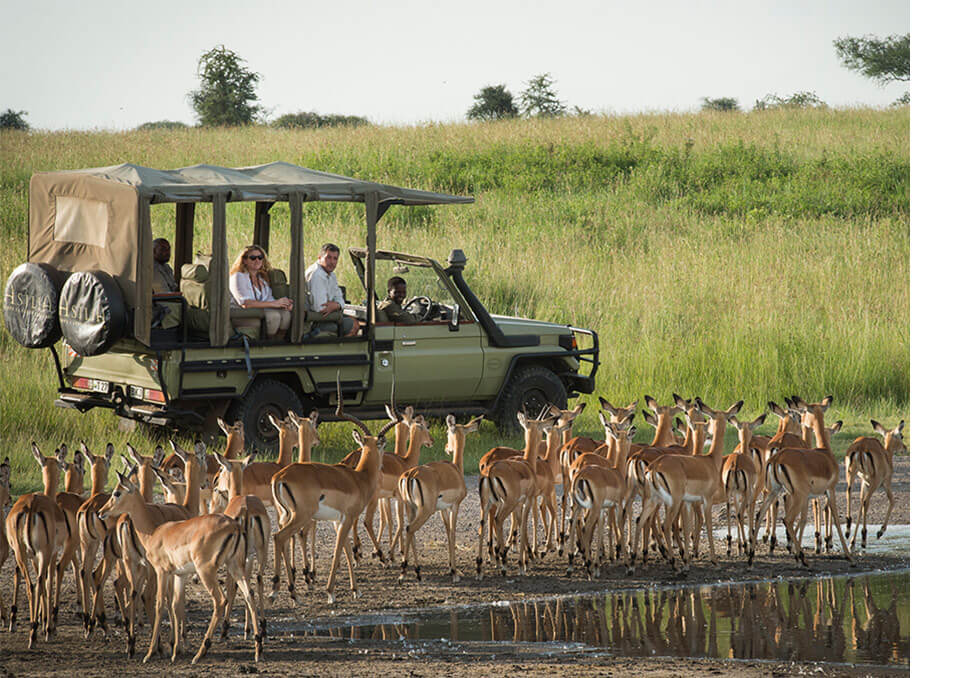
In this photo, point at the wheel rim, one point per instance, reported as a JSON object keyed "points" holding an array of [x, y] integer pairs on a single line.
{"points": [[266, 430], [533, 402]]}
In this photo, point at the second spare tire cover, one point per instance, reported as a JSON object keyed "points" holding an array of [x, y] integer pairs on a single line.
{"points": [[92, 312], [30, 304]]}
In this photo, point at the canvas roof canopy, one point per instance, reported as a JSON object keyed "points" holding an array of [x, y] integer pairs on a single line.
{"points": [[99, 219]]}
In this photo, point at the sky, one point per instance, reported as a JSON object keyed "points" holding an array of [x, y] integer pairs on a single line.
{"points": [[111, 65]]}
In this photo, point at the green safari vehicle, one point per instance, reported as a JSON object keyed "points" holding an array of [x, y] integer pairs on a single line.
{"points": [[175, 360]]}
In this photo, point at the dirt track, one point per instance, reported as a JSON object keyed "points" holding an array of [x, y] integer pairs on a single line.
{"points": [[380, 591]]}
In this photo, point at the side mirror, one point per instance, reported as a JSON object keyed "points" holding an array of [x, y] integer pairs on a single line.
{"points": [[455, 319]]}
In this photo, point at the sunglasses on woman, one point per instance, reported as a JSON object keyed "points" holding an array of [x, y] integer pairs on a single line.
{"points": [[255, 257]]}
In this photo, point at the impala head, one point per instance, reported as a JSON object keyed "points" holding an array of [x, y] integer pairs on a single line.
{"points": [[172, 482], [420, 431], [747, 426], [457, 433], [98, 465], [812, 411], [892, 438], [718, 417], [536, 427], [619, 431], [122, 499], [50, 467], [5, 485], [362, 435], [306, 427], [689, 408], [284, 426], [618, 414], [564, 418], [662, 411], [232, 431], [789, 418], [231, 473]]}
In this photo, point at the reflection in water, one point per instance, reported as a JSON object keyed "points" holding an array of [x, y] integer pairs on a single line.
{"points": [[842, 619]]}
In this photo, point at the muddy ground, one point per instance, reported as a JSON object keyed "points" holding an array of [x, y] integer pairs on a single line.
{"points": [[70, 653]]}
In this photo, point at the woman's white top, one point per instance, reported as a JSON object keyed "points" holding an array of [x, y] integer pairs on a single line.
{"points": [[241, 289]]}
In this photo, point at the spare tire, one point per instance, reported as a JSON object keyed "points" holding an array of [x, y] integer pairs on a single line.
{"points": [[30, 304], [93, 314]]}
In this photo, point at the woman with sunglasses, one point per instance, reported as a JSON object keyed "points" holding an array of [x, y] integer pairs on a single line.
{"points": [[250, 288]]}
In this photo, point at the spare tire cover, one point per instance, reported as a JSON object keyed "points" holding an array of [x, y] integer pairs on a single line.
{"points": [[92, 312], [30, 304]]}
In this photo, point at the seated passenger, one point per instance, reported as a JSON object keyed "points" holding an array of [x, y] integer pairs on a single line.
{"points": [[392, 306], [250, 288], [163, 280], [166, 315], [324, 295]]}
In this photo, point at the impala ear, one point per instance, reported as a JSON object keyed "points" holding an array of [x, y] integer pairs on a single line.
{"points": [[651, 403], [900, 427], [776, 409], [179, 452], [606, 405], [451, 422], [733, 420], [877, 427], [649, 418], [108, 455], [734, 408], [837, 426], [473, 425], [62, 455], [826, 402], [249, 459], [224, 464], [273, 421], [223, 426], [578, 410], [522, 418], [37, 454], [358, 437], [680, 402], [88, 455], [314, 418]]}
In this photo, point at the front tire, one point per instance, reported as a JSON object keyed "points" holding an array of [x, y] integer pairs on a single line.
{"points": [[265, 397], [530, 389]]}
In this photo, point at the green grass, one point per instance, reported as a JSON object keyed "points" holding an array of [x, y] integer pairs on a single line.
{"points": [[729, 256]]}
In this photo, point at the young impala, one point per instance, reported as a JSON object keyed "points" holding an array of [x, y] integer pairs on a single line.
{"points": [[437, 486], [740, 475], [872, 461]]}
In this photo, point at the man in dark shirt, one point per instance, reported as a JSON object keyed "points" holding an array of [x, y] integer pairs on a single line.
{"points": [[163, 280], [392, 306]]}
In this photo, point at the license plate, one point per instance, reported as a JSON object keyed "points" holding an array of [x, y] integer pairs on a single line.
{"points": [[99, 386]]}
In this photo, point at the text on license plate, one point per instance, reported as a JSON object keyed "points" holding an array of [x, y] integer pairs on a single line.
{"points": [[99, 386]]}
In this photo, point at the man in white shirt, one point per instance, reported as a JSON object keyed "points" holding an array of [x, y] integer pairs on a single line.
{"points": [[323, 291]]}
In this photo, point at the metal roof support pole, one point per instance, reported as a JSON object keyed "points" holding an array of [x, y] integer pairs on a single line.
{"points": [[261, 225], [183, 238], [297, 284], [143, 312], [219, 275], [373, 214]]}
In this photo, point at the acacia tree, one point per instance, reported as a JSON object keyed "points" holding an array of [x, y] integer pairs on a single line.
{"points": [[494, 102], [720, 104], [540, 100], [227, 93], [11, 119], [882, 59]]}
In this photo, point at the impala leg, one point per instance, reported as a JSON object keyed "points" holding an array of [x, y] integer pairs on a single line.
{"points": [[280, 540], [208, 577], [886, 520], [851, 476], [864, 508], [343, 529], [370, 511], [792, 507], [240, 577], [162, 589], [831, 498]]}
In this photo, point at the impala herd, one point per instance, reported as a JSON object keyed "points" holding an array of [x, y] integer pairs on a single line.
{"points": [[215, 517]]}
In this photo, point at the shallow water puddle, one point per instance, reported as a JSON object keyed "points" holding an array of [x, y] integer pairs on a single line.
{"points": [[851, 619]]}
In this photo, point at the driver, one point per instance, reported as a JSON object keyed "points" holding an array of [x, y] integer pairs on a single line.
{"points": [[392, 306]]}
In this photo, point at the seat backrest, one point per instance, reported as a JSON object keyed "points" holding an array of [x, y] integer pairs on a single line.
{"points": [[278, 283], [195, 285]]}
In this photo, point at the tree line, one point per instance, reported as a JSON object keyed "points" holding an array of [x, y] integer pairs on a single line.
{"points": [[227, 93]]}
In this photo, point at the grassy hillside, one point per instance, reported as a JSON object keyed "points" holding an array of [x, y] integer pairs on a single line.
{"points": [[729, 256]]}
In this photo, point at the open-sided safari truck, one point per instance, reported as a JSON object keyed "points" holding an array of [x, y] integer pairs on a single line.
{"points": [[176, 360]]}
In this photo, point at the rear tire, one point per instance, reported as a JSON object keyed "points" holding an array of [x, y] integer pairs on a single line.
{"points": [[267, 396], [531, 388]]}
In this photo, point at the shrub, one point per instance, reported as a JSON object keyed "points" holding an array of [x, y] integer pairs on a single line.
{"points": [[720, 104], [311, 120], [162, 124], [796, 100]]}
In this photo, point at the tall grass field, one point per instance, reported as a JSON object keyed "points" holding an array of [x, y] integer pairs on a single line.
{"points": [[731, 256]]}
